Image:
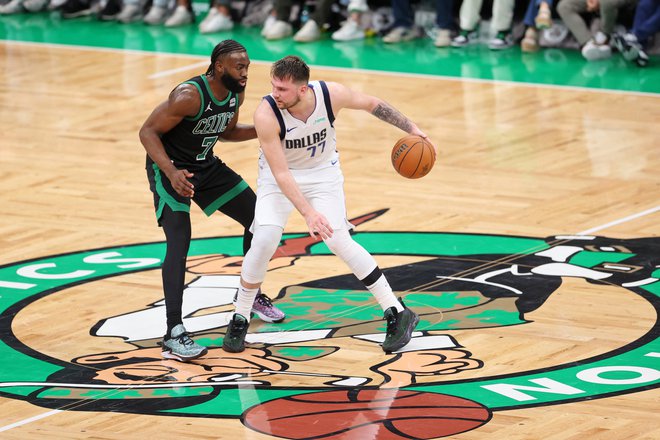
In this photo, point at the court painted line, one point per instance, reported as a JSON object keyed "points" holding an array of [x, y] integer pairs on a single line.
{"points": [[350, 69], [29, 420], [622, 220], [164, 73]]}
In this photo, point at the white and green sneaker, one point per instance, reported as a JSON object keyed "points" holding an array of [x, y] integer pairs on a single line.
{"points": [[180, 347]]}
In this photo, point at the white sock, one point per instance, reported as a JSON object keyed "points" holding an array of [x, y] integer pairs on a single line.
{"points": [[245, 300], [382, 291]]}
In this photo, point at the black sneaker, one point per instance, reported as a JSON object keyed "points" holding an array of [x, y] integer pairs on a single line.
{"points": [[76, 8], [234, 341], [400, 326], [110, 10]]}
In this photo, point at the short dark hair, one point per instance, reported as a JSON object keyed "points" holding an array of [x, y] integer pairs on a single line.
{"points": [[223, 48], [290, 67]]}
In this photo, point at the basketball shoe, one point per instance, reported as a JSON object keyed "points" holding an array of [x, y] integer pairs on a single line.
{"points": [[264, 308], [234, 341], [180, 347], [400, 326]]}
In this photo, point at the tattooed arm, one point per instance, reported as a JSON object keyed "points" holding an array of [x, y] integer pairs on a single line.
{"points": [[343, 97]]}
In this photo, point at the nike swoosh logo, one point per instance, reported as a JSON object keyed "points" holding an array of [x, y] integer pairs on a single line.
{"points": [[290, 129], [332, 162]]}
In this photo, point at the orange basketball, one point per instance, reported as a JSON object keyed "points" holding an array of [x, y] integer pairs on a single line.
{"points": [[413, 157], [386, 414]]}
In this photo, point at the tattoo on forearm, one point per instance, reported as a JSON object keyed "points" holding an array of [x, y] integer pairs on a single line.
{"points": [[387, 113]]}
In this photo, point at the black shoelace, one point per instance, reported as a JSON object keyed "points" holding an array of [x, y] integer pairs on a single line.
{"points": [[184, 339]]}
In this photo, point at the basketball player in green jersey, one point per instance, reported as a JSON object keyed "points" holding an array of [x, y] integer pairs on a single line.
{"points": [[179, 136], [299, 168]]}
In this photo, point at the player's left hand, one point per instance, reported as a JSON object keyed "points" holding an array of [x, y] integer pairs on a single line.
{"points": [[318, 224], [423, 135]]}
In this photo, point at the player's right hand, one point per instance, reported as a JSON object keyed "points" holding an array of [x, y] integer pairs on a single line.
{"points": [[181, 184]]}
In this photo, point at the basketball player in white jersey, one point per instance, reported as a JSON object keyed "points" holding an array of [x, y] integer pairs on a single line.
{"points": [[299, 168]]}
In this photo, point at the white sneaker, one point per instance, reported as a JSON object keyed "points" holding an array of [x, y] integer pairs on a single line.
{"points": [[350, 30], [156, 15], [593, 51], [215, 21], [442, 38], [35, 5], [181, 17], [54, 4], [399, 34], [278, 30], [130, 13], [309, 32], [268, 23], [13, 7]]}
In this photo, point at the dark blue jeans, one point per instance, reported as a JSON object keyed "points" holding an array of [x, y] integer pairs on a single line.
{"points": [[647, 19], [404, 16], [532, 10]]}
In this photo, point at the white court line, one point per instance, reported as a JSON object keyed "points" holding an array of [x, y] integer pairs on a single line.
{"points": [[163, 73], [30, 420], [349, 69], [622, 220]]}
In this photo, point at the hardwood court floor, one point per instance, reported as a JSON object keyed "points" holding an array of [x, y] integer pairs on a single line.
{"points": [[522, 169]]}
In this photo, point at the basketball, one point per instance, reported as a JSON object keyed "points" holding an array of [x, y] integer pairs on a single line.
{"points": [[413, 156], [366, 414]]}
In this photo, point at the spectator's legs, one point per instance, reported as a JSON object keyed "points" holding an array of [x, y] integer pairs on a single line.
{"points": [[502, 15], [443, 14], [569, 11], [647, 19], [609, 11], [469, 14], [530, 13], [403, 14], [322, 12], [283, 9]]}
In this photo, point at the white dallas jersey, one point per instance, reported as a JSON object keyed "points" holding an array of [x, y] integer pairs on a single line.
{"points": [[311, 144]]}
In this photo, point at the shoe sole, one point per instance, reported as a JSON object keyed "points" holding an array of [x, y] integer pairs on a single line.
{"points": [[167, 354], [266, 318], [231, 350], [408, 337]]}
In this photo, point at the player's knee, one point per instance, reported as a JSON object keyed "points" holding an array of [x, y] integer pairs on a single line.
{"points": [[340, 243], [266, 238]]}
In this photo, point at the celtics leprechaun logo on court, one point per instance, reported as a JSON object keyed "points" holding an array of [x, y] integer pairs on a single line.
{"points": [[472, 292]]}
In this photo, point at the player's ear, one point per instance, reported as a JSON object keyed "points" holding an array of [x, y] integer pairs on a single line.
{"points": [[219, 67]]}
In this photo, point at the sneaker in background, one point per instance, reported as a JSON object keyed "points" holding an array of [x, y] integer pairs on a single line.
{"points": [[268, 23], [543, 19], [631, 49], [156, 15], [502, 40], [399, 34], [349, 31], [110, 10], [129, 13], [180, 347], [181, 17], [35, 5], [442, 38], [597, 48], [13, 7], [278, 30], [76, 8], [530, 42], [215, 21], [308, 33], [465, 37]]}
